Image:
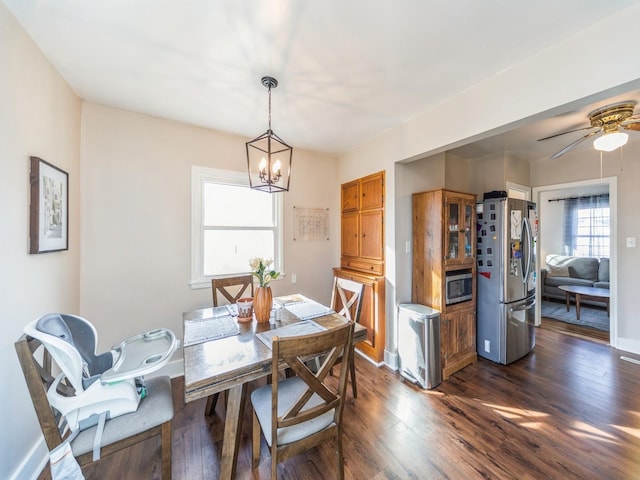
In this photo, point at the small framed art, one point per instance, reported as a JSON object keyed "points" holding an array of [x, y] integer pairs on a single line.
{"points": [[49, 209]]}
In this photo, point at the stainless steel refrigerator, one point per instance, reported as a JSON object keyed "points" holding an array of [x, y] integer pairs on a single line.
{"points": [[506, 278]]}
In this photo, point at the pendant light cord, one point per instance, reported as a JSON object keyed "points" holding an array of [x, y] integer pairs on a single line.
{"points": [[269, 108]]}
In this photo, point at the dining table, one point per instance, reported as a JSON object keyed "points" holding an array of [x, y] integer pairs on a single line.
{"points": [[224, 353]]}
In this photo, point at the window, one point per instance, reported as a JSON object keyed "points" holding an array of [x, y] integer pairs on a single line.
{"points": [[231, 224], [587, 222]]}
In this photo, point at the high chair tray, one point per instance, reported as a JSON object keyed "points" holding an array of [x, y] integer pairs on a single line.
{"points": [[141, 355]]}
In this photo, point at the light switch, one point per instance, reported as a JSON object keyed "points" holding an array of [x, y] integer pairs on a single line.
{"points": [[293, 278], [407, 247], [631, 242]]}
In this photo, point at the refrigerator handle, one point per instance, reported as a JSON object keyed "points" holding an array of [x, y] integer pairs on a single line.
{"points": [[528, 234], [525, 306]]}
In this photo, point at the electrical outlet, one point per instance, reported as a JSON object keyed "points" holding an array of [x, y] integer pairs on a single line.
{"points": [[487, 346], [293, 278]]}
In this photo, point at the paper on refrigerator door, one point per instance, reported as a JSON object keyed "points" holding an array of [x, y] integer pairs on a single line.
{"points": [[516, 224]]}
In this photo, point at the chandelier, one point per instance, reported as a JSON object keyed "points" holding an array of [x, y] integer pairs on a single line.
{"points": [[268, 156]]}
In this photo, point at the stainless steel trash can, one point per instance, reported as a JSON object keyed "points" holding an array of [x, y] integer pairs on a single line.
{"points": [[419, 344]]}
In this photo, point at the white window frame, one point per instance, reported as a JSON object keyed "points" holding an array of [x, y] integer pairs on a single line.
{"points": [[200, 176]]}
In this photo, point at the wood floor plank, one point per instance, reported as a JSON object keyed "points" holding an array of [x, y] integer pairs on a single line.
{"points": [[568, 410]]}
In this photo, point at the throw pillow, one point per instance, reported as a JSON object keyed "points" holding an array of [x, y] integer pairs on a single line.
{"points": [[603, 270], [558, 271]]}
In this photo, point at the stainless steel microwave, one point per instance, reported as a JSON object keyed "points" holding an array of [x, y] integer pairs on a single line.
{"points": [[459, 287]]}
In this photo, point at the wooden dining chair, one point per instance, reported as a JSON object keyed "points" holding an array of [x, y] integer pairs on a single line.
{"points": [[223, 286], [231, 289], [346, 300], [153, 417], [299, 412]]}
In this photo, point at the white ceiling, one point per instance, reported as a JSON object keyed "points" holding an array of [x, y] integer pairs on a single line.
{"points": [[348, 70]]}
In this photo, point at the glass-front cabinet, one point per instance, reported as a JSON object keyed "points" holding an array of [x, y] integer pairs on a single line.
{"points": [[444, 270], [459, 230]]}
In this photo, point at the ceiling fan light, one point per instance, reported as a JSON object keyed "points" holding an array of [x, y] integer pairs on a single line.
{"points": [[610, 141]]}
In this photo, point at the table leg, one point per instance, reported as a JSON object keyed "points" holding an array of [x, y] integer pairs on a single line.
{"points": [[232, 431], [577, 306], [567, 297]]}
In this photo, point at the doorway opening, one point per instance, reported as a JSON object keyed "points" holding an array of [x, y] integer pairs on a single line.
{"points": [[595, 321]]}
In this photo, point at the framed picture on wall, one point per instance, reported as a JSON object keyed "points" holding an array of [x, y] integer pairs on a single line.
{"points": [[49, 209]]}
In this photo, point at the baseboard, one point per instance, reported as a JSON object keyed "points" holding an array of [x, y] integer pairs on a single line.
{"points": [[377, 364], [391, 360], [33, 463], [628, 345]]}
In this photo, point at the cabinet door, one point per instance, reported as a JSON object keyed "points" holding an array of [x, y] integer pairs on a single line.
{"points": [[350, 235], [466, 332], [372, 191], [457, 340], [447, 337], [371, 235], [350, 196], [459, 230], [468, 231], [452, 229]]}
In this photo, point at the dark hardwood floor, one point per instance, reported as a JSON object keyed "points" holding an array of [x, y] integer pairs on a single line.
{"points": [[575, 330], [568, 410]]}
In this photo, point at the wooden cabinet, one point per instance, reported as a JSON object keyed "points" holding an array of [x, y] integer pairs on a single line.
{"points": [[458, 338], [372, 314], [362, 246], [444, 243], [362, 254]]}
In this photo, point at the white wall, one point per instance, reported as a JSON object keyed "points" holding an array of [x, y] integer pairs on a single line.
{"points": [[420, 176], [136, 219], [40, 116]]}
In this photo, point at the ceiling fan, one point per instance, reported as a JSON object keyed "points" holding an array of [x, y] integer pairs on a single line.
{"points": [[608, 121]]}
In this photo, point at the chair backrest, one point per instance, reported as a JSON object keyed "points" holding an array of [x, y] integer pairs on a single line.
{"points": [[71, 340], [222, 286], [318, 397], [37, 374], [346, 298]]}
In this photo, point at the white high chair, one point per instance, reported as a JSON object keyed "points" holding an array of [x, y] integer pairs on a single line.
{"points": [[109, 384]]}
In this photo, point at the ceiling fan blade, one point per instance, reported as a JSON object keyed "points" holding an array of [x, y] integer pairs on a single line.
{"points": [[573, 144], [564, 133], [632, 126]]}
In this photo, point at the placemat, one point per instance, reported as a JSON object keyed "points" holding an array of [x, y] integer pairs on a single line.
{"points": [[307, 308], [293, 330], [207, 329]]}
